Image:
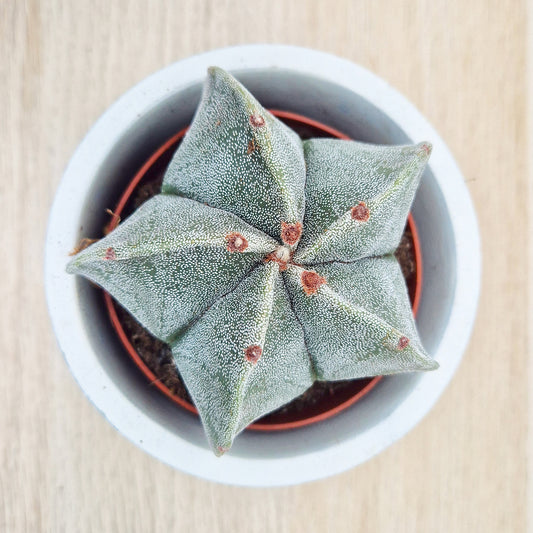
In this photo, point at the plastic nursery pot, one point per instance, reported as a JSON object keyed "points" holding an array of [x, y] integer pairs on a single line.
{"points": [[347, 393], [324, 88]]}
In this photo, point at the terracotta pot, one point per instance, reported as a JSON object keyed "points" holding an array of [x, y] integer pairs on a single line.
{"points": [[324, 409]]}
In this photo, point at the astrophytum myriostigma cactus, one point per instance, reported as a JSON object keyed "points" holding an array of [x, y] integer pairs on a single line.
{"points": [[266, 263]]}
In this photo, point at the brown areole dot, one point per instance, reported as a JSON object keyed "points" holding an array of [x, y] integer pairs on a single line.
{"points": [[256, 120], [291, 233], [110, 254], [311, 281], [252, 146], [360, 212], [426, 148], [253, 353], [403, 343], [235, 242]]}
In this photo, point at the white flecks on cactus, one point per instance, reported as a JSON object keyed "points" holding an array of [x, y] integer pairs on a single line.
{"points": [[348, 331], [244, 355], [265, 264], [170, 260], [238, 157], [357, 198]]}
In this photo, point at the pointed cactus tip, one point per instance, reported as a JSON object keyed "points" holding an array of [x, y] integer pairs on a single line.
{"points": [[425, 149], [221, 450], [214, 70]]}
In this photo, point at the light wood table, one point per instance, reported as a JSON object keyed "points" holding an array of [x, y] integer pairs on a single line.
{"points": [[464, 65]]}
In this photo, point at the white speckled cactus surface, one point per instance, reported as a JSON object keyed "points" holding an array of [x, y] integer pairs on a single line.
{"points": [[266, 263]]}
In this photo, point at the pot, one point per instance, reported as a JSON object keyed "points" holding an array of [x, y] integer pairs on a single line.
{"points": [[324, 88], [344, 396]]}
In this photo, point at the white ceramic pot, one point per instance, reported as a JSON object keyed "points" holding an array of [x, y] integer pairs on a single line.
{"points": [[339, 94]]}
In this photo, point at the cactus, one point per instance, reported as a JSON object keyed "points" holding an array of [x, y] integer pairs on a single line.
{"points": [[266, 263]]}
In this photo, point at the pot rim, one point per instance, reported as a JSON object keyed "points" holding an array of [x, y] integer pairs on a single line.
{"points": [[147, 371], [67, 311]]}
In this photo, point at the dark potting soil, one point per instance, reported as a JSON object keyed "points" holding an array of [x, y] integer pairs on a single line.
{"points": [[157, 355]]}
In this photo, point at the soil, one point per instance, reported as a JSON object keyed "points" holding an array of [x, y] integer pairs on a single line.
{"points": [[158, 357]]}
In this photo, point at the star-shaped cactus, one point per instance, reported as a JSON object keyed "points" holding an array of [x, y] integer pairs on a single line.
{"points": [[266, 263]]}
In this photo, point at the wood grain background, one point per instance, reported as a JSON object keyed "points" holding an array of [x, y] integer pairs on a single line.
{"points": [[463, 64]]}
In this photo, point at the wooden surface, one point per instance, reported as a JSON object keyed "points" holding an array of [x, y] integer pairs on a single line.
{"points": [[463, 64]]}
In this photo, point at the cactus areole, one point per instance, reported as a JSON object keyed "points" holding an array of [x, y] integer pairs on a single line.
{"points": [[267, 263]]}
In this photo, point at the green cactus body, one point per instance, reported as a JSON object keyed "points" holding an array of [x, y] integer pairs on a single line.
{"points": [[267, 263]]}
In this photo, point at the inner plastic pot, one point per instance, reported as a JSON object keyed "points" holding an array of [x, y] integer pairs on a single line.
{"points": [[339, 395]]}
